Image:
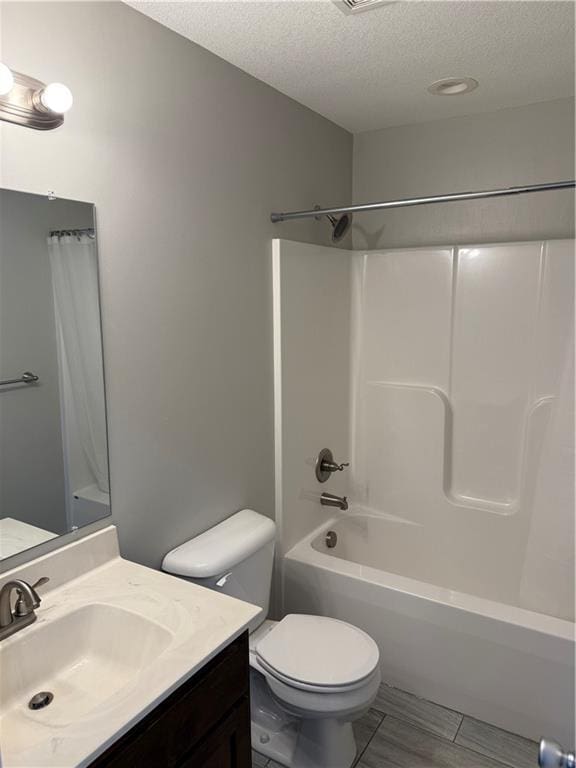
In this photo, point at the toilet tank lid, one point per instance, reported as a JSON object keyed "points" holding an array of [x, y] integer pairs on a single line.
{"points": [[221, 547]]}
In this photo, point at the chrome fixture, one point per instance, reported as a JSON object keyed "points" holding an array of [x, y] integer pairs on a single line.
{"points": [[330, 500], [30, 102], [26, 378], [412, 201], [340, 225], [27, 600], [41, 700], [325, 465], [551, 755], [331, 539]]}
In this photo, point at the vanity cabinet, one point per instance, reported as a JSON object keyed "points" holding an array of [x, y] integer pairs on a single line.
{"points": [[203, 724]]}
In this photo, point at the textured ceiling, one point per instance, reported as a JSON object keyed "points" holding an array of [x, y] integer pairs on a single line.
{"points": [[370, 70]]}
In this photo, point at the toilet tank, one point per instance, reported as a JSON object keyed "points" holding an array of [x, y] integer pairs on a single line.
{"points": [[235, 558]]}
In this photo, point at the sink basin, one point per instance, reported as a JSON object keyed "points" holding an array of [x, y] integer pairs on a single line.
{"points": [[83, 658]]}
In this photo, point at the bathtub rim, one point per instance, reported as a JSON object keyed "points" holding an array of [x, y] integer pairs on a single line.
{"points": [[521, 618]]}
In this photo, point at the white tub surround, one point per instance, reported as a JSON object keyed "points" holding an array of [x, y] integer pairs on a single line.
{"points": [[445, 375], [462, 414], [95, 607], [503, 664]]}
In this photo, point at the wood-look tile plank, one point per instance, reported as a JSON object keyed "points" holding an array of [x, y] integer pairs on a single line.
{"points": [[506, 747], [425, 714], [258, 760], [397, 744], [365, 728]]}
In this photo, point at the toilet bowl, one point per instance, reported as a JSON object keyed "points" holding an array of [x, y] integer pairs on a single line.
{"points": [[318, 689], [310, 676]]}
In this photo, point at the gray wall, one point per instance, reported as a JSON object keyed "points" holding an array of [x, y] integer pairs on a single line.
{"points": [[524, 145], [32, 487], [184, 156]]}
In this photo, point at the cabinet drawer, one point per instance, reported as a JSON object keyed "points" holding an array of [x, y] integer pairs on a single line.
{"points": [[172, 730]]}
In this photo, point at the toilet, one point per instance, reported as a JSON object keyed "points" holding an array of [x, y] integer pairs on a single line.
{"points": [[310, 676]]}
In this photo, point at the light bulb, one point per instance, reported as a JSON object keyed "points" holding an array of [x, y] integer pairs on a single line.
{"points": [[56, 98], [6, 79]]}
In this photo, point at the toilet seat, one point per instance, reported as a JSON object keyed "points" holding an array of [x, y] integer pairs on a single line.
{"points": [[317, 654]]}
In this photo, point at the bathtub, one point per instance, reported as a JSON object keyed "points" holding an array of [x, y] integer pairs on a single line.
{"points": [[498, 662]]}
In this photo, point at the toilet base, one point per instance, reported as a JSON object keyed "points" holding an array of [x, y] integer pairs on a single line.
{"points": [[297, 742], [307, 744], [325, 743], [276, 745]]}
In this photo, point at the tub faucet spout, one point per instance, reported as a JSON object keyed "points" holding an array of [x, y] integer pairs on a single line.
{"points": [[330, 500]]}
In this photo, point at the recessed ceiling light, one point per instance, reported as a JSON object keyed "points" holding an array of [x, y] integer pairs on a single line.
{"points": [[355, 6], [453, 86]]}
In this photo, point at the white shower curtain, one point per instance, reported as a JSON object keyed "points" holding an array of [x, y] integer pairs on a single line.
{"points": [[75, 282]]}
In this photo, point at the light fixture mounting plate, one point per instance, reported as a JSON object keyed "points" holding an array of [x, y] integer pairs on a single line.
{"points": [[358, 6], [17, 106]]}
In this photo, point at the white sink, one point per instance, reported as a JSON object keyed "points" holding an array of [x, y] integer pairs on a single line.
{"points": [[84, 658]]}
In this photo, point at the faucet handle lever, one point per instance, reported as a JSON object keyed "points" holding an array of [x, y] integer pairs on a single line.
{"points": [[33, 587], [41, 581], [325, 465]]}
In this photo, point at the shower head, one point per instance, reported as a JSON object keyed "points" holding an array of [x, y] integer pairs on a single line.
{"points": [[340, 226]]}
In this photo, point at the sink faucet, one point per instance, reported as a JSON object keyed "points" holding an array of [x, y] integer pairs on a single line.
{"points": [[13, 620]]}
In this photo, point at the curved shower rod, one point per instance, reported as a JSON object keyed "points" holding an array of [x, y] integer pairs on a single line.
{"points": [[410, 201]]}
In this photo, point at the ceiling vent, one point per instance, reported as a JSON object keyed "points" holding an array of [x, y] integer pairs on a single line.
{"points": [[357, 6]]}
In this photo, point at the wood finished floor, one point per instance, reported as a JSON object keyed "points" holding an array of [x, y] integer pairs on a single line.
{"points": [[403, 731]]}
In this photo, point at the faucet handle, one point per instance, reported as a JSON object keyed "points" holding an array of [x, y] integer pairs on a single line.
{"points": [[325, 465], [33, 587], [41, 581]]}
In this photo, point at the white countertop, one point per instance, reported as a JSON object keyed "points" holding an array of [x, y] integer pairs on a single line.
{"points": [[201, 623], [16, 536]]}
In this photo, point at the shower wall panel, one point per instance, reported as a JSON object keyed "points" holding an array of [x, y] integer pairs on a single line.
{"points": [[462, 414], [311, 379]]}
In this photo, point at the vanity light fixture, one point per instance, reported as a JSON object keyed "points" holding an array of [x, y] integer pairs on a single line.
{"points": [[30, 102]]}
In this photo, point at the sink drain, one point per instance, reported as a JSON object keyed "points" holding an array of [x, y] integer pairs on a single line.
{"points": [[40, 700]]}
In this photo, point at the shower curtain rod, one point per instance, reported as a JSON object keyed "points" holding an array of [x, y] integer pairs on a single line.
{"points": [[410, 201]]}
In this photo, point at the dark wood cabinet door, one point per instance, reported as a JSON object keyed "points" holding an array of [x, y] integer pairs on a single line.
{"points": [[228, 746], [204, 723]]}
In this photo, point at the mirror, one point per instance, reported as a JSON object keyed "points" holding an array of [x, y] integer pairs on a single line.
{"points": [[53, 444]]}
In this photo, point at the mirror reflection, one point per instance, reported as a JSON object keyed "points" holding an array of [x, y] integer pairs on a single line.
{"points": [[53, 446]]}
